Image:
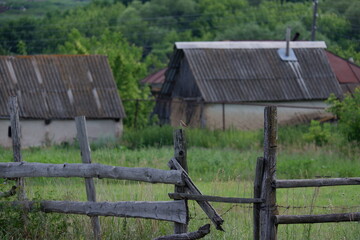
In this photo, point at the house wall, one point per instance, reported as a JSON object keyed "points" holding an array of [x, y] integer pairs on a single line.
{"points": [[246, 117], [249, 117], [37, 133]]}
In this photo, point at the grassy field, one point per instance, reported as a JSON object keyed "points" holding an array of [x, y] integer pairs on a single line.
{"points": [[220, 164]]}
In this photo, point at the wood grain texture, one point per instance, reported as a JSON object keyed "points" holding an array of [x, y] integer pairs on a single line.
{"points": [[259, 171], [268, 191], [86, 159], [173, 211], [95, 170], [296, 183], [323, 218], [180, 154], [180, 196], [16, 143]]}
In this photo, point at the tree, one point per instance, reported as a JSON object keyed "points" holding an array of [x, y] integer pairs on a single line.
{"points": [[125, 62], [348, 113]]}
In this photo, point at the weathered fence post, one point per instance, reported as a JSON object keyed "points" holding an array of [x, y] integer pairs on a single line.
{"points": [[180, 156], [16, 143], [257, 194], [89, 182], [268, 188]]}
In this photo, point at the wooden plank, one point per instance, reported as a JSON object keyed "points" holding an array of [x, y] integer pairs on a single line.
{"points": [[296, 183], [206, 207], [89, 182], [183, 196], [16, 143], [259, 171], [200, 233], [173, 211], [95, 170], [180, 156], [268, 191], [323, 218]]}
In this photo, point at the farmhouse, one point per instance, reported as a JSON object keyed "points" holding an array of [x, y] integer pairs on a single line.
{"points": [[52, 90], [227, 84]]}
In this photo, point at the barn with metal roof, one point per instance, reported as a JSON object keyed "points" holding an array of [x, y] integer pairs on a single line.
{"points": [[52, 90], [226, 84]]}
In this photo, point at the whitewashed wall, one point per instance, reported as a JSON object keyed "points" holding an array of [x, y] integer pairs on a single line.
{"points": [[248, 117], [245, 117], [37, 133]]}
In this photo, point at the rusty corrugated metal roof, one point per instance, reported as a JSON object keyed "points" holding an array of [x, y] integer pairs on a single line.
{"points": [[155, 78], [347, 73], [60, 87], [254, 71]]}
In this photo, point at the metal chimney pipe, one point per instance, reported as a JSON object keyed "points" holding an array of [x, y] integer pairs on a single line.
{"points": [[288, 32]]}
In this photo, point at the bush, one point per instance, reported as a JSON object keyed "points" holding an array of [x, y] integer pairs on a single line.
{"points": [[348, 113], [319, 134]]}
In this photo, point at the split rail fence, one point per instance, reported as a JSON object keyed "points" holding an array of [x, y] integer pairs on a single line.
{"points": [[173, 211], [265, 215]]}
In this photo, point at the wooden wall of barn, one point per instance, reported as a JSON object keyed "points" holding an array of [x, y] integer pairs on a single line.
{"points": [[185, 85]]}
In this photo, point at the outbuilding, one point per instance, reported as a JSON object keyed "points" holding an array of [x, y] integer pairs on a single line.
{"points": [[52, 90], [227, 84]]}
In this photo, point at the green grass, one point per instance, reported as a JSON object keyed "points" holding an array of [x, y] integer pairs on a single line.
{"points": [[220, 163]]}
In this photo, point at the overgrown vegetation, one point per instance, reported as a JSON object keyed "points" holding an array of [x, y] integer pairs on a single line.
{"points": [[348, 112], [319, 134], [220, 163]]}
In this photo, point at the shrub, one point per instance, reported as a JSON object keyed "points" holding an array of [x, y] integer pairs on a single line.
{"points": [[348, 113], [319, 134]]}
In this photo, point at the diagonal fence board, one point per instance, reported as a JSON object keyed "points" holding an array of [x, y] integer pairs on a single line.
{"points": [[186, 196], [25, 169], [206, 207], [173, 211]]}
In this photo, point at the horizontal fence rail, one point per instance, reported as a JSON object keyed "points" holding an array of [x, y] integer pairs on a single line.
{"points": [[173, 211], [321, 218], [296, 183], [151, 175]]}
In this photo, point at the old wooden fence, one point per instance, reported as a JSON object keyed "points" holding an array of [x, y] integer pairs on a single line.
{"points": [[266, 219], [174, 211]]}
